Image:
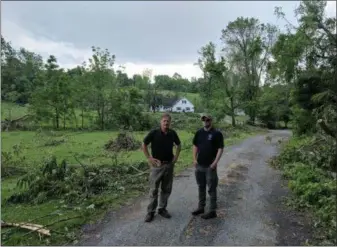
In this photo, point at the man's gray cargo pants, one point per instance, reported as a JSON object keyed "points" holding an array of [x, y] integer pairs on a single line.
{"points": [[160, 176], [206, 176]]}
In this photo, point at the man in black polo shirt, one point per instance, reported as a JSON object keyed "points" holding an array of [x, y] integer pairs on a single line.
{"points": [[162, 163], [208, 144]]}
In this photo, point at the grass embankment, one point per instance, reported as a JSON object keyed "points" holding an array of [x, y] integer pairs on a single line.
{"points": [[305, 163], [28, 150]]}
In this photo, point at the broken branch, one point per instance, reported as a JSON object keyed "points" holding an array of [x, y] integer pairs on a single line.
{"points": [[326, 128]]}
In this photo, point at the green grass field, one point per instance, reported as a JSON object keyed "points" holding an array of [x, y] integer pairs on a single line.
{"points": [[89, 148]]}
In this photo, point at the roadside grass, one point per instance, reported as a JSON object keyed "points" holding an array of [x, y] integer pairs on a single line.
{"points": [[88, 147]]}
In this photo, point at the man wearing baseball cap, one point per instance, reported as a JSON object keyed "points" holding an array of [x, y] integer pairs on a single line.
{"points": [[208, 144]]}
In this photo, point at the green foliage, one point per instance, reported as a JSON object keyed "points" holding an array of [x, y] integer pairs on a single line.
{"points": [[274, 105], [305, 58], [319, 151], [13, 163], [248, 43], [307, 163], [74, 184], [90, 95]]}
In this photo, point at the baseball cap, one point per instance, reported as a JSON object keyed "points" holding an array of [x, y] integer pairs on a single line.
{"points": [[206, 116]]}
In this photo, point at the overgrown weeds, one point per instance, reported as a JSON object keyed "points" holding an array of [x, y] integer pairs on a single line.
{"points": [[12, 162], [308, 164]]}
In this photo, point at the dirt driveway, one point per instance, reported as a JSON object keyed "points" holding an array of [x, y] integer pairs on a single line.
{"points": [[250, 212]]}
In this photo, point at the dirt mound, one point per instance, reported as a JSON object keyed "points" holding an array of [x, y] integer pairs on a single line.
{"points": [[124, 142]]}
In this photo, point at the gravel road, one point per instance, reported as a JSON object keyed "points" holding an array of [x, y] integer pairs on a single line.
{"points": [[251, 211]]}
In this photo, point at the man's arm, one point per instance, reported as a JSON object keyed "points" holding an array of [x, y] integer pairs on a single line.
{"points": [[145, 150], [147, 140], [178, 147], [195, 149], [195, 155], [220, 145]]}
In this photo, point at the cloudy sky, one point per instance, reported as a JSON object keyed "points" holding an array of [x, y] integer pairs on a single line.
{"points": [[162, 36]]}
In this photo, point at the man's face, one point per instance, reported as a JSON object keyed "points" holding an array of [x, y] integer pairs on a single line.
{"points": [[207, 122], [165, 123]]}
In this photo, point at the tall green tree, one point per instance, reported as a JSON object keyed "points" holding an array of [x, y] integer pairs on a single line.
{"points": [[307, 53], [206, 62], [250, 41], [102, 82], [52, 99]]}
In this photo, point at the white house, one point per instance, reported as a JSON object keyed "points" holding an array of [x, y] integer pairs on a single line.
{"points": [[176, 105]]}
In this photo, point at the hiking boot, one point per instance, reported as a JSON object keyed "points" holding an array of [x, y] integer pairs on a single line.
{"points": [[198, 211], [149, 217], [164, 213], [209, 215]]}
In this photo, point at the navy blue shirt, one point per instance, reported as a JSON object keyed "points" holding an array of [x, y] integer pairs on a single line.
{"points": [[208, 143], [162, 143]]}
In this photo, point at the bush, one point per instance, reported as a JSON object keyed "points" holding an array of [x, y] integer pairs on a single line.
{"points": [[306, 163], [318, 150]]}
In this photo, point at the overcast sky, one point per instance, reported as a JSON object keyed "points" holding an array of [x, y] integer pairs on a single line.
{"points": [[162, 36]]}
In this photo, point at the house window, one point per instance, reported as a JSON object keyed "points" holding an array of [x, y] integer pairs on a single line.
{"points": [[178, 108], [184, 101], [187, 109]]}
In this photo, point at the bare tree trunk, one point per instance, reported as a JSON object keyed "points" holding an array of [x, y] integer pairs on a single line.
{"points": [[233, 112], [57, 118], [82, 118], [64, 121], [102, 119]]}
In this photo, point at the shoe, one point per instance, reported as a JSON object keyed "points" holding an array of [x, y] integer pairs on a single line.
{"points": [[209, 215], [198, 211], [164, 213], [149, 217]]}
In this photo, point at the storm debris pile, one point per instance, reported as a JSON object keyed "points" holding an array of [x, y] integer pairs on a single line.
{"points": [[124, 142]]}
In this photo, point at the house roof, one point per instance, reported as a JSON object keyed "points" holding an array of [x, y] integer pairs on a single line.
{"points": [[169, 102]]}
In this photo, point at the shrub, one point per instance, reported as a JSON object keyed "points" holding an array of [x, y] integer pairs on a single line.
{"points": [[306, 163]]}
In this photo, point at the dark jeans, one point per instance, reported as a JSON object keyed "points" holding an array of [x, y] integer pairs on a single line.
{"points": [[206, 176], [163, 177]]}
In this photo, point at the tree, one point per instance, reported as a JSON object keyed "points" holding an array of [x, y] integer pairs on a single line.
{"points": [[52, 99], [274, 105], [308, 55], [250, 42], [206, 62], [19, 70], [102, 82]]}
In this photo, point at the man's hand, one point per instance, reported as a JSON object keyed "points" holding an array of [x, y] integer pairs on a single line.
{"points": [[154, 162], [175, 159], [213, 165], [195, 163]]}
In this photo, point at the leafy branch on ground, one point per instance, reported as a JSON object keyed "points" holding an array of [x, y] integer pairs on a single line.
{"points": [[306, 163], [73, 184]]}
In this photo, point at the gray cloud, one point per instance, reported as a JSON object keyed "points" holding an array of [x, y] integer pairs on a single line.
{"points": [[138, 32]]}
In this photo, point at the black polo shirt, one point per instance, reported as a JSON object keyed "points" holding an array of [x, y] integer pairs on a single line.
{"points": [[162, 143], [208, 143]]}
